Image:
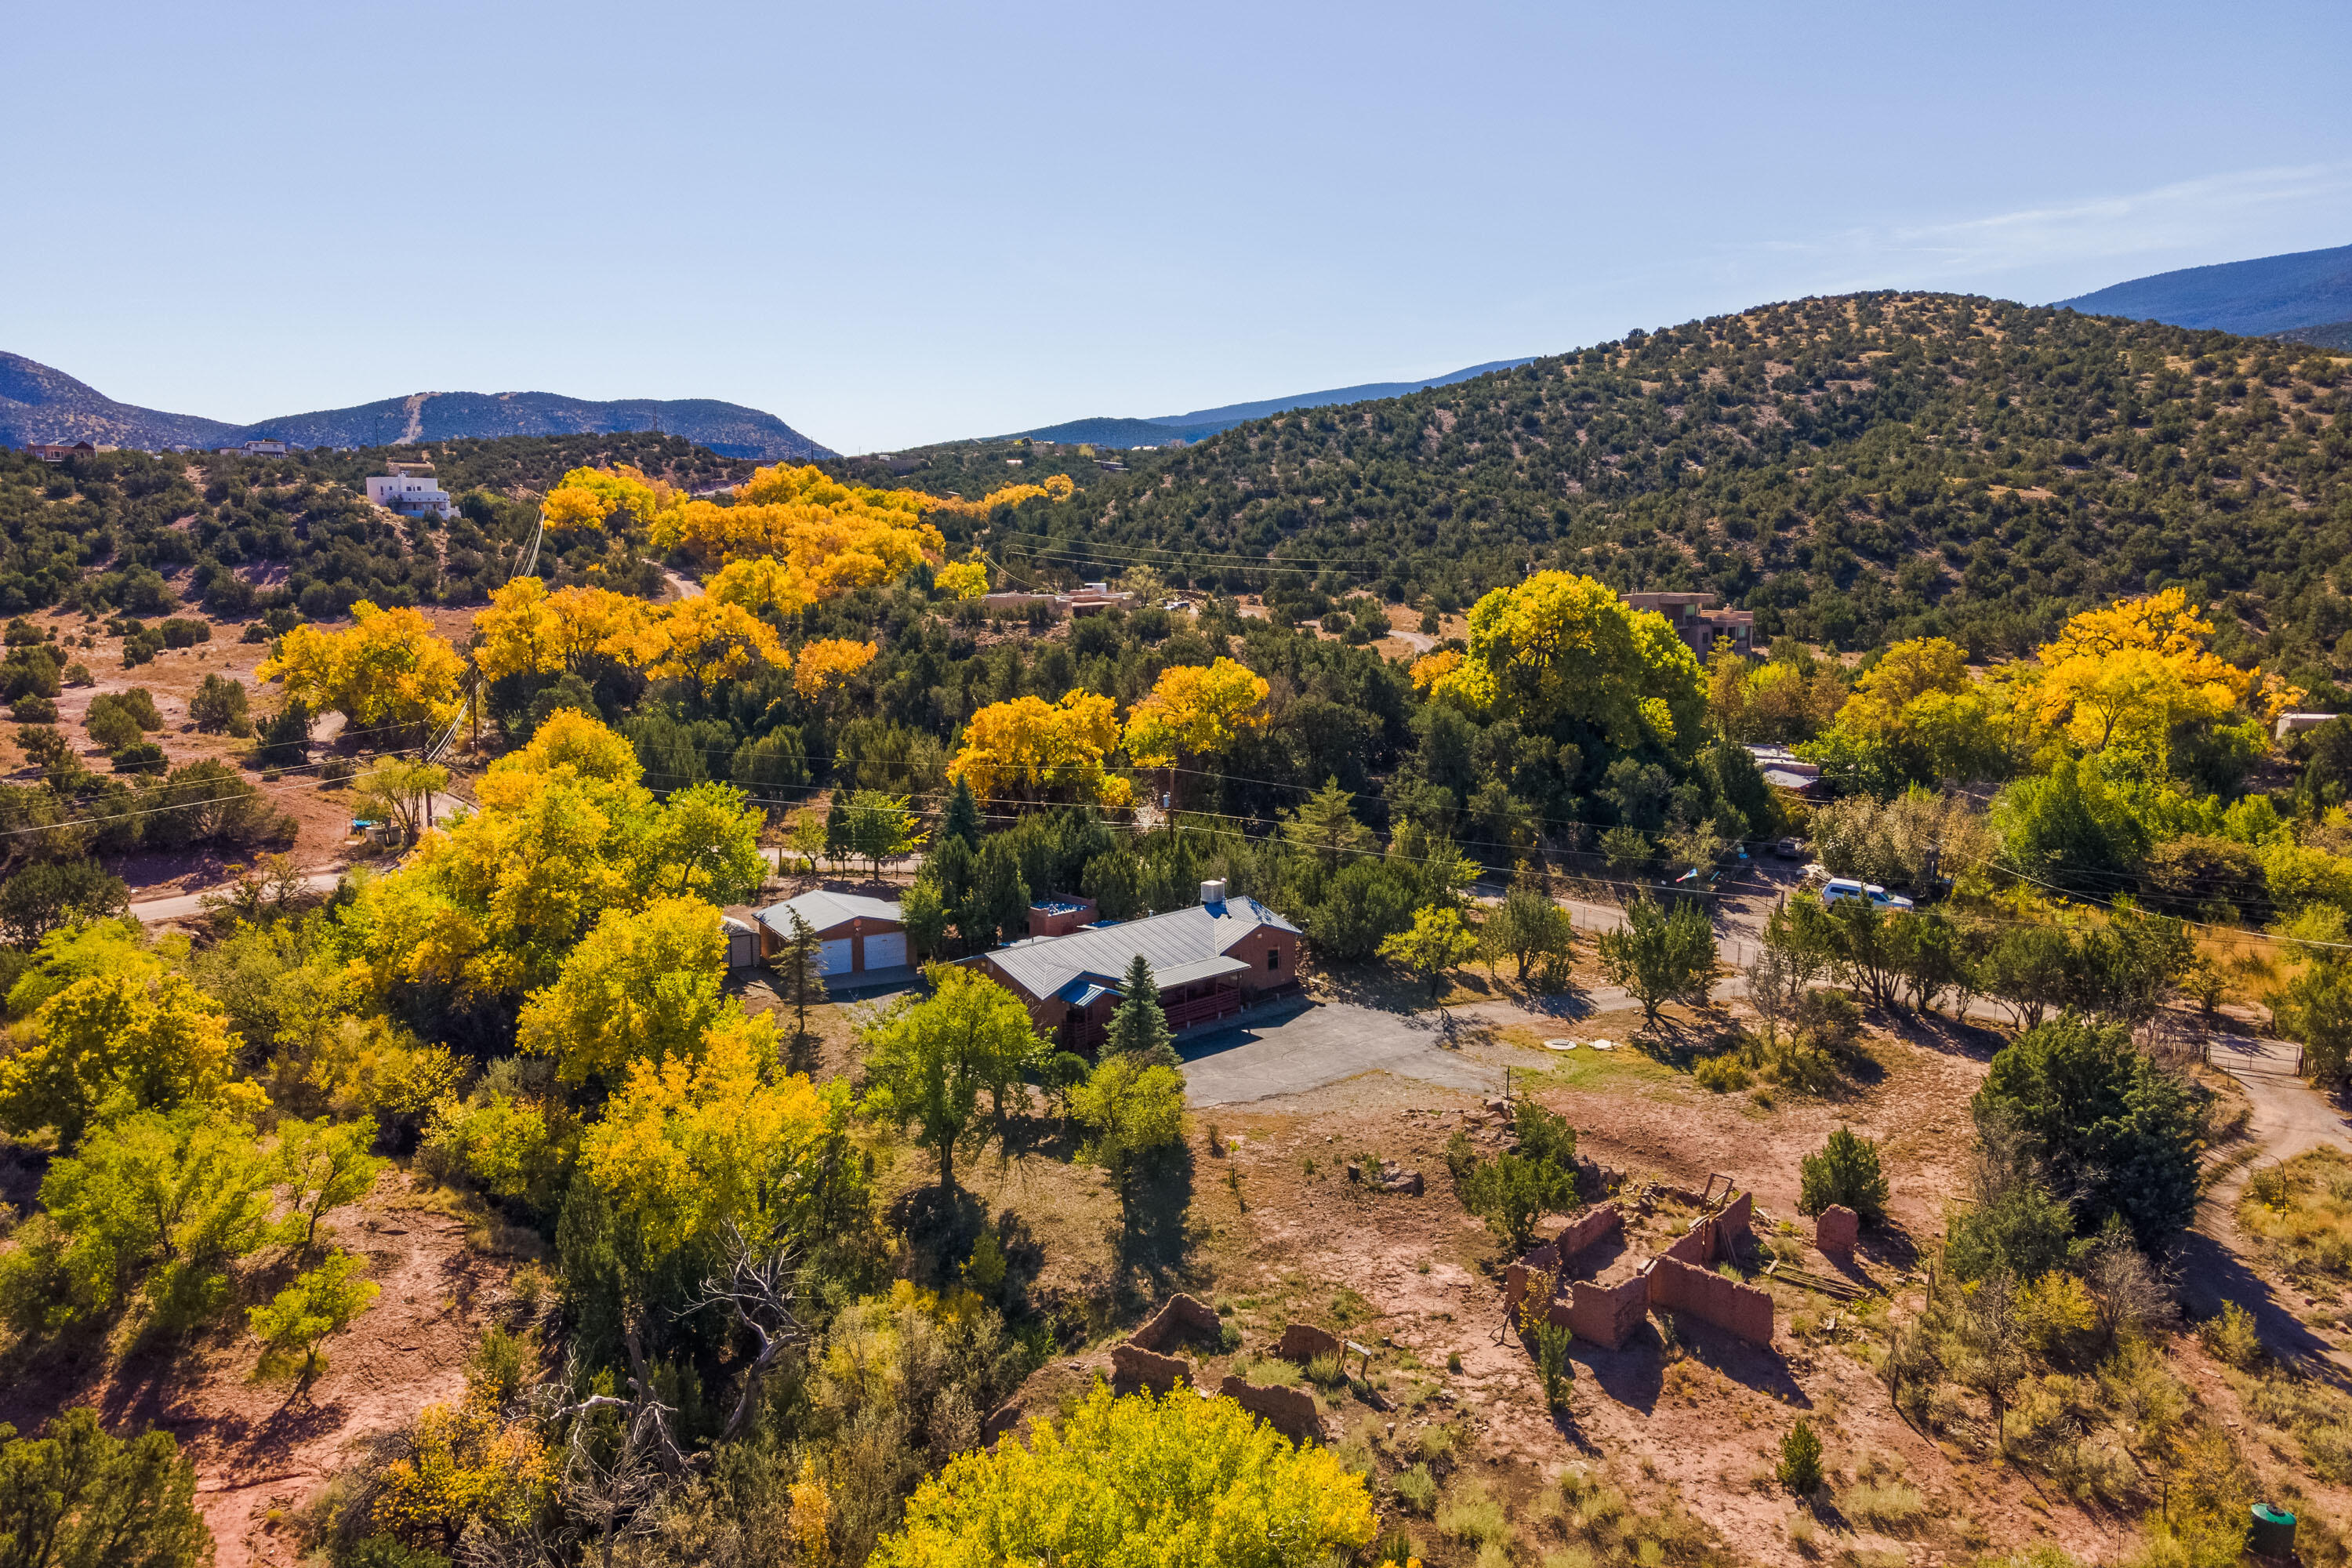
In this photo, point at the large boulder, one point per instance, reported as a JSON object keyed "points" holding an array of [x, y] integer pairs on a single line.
{"points": [[1836, 1229]]}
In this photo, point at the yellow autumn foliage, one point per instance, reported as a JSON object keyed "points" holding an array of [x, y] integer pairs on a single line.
{"points": [[688, 1147], [825, 664], [703, 640], [1137, 1483], [1560, 646], [594, 497], [1431, 668], [961, 579], [2131, 673], [465, 1462], [1194, 710], [1035, 750], [388, 669]]}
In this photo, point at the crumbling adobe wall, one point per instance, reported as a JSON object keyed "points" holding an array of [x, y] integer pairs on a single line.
{"points": [[1715, 1237], [1737, 1308], [1132, 1366], [1605, 1315], [1302, 1343], [1182, 1315], [1289, 1411], [1589, 1228], [1543, 1259]]}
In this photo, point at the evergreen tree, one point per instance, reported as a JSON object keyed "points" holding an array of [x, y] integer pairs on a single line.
{"points": [[963, 816], [997, 907], [836, 828], [285, 739], [798, 973], [1325, 825], [1139, 1028]]}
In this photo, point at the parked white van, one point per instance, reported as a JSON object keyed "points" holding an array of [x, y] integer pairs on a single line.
{"points": [[1842, 887]]}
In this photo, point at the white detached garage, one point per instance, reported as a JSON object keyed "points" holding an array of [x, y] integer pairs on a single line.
{"points": [[856, 935]]}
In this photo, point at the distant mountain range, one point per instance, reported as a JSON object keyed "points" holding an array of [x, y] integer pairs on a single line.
{"points": [[1205, 422], [39, 403], [2274, 296]]}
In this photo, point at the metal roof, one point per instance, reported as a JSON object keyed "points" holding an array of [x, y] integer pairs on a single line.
{"points": [[824, 910], [1176, 943]]}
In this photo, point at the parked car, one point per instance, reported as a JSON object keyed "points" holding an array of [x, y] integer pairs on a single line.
{"points": [[1790, 850], [1841, 888]]}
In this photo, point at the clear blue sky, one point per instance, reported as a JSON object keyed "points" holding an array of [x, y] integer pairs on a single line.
{"points": [[891, 223]]}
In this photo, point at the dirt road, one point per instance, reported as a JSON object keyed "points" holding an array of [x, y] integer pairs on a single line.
{"points": [[2290, 1116], [187, 906]]}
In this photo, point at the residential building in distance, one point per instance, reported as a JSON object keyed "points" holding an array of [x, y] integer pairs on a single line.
{"points": [[856, 935], [1087, 599], [56, 452], [256, 449], [1209, 961], [411, 490], [1698, 623]]}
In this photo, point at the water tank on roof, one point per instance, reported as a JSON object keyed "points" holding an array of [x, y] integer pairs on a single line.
{"points": [[1213, 894]]}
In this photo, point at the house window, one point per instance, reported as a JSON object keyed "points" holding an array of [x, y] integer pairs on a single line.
{"points": [[1274, 958]]}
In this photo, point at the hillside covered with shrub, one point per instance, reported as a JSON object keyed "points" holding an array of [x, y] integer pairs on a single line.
{"points": [[1855, 469]]}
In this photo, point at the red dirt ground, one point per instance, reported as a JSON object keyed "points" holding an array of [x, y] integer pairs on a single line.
{"points": [[262, 1448]]}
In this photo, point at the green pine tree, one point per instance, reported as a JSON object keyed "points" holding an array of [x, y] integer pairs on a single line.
{"points": [[962, 817], [798, 974], [836, 828], [1139, 1028]]}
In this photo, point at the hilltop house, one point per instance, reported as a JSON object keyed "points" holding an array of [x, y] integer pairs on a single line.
{"points": [[411, 490], [58, 452], [1210, 961], [1698, 623], [1087, 599], [856, 935]]}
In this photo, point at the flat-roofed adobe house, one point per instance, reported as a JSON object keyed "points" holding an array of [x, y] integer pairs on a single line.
{"points": [[854, 933], [1211, 961]]}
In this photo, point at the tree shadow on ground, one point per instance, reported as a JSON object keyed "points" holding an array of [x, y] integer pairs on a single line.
{"points": [[2210, 1274], [1157, 1232], [1977, 1039], [940, 1228], [1760, 1367]]}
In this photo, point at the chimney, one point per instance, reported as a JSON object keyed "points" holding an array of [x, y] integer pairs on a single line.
{"points": [[1212, 895]]}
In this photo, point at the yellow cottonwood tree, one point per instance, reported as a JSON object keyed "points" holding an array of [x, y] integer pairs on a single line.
{"points": [[387, 668], [516, 635], [1432, 667], [691, 1145], [157, 1038], [2133, 672], [961, 579], [1030, 749], [1194, 710], [705, 641], [598, 498], [1563, 648], [492, 904], [643, 985], [825, 664], [1138, 1481]]}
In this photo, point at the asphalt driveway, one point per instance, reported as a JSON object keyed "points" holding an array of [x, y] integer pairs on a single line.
{"points": [[1306, 1045]]}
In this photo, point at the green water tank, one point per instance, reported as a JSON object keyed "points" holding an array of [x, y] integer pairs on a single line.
{"points": [[2271, 1533]]}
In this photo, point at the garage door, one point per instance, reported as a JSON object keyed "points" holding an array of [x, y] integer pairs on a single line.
{"points": [[886, 951], [832, 957]]}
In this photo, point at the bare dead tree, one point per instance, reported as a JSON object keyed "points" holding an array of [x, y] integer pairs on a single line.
{"points": [[756, 1288], [610, 1486]]}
